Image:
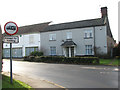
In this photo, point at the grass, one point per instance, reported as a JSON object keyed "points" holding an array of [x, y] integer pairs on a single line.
{"points": [[16, 83], [108, 62]]}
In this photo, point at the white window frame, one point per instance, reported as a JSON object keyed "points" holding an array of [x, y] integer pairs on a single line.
{"points": [[88, 49], [88, 34], [69, 35], [53, 50], [52, 37]]}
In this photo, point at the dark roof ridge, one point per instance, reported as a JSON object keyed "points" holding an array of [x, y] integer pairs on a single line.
{"points": [[75, 24], [76, 21]]}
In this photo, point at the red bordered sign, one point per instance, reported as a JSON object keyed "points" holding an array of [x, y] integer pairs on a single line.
{"points": [[11, 28]]}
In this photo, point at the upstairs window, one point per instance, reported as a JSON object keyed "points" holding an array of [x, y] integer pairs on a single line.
{"points": [[52, 37], [88, 34], [69, 35]]}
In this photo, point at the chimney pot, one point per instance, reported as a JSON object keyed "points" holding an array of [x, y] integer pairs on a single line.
{"points": [[104, 12]]}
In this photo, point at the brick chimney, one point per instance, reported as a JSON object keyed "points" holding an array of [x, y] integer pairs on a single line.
{"points": [[103, 12]]}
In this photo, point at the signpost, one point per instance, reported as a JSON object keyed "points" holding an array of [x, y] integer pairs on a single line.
{"points": [[11, 28]]}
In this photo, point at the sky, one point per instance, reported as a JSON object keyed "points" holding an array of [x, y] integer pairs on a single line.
{"points": [[28, 12]]}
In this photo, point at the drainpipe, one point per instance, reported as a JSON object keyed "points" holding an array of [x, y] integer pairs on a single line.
{"points": [[39, 43], [94, 40]]}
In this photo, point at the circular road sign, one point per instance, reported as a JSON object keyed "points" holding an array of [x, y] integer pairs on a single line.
{"points": [[11, 28]]}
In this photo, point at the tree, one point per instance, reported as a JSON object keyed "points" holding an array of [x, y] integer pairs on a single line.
{"points": [[116, 50]]}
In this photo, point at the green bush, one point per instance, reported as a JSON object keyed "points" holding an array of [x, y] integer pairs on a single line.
{"points": [[66, 60], [31, 58], [104, 56], [36, 53], [117, 57], [26, 58]]}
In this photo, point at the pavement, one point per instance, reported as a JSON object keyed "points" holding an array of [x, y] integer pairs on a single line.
{"points": [[35, 83]]}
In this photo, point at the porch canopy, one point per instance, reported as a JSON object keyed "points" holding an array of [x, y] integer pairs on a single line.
{"points": [[68, 43]]}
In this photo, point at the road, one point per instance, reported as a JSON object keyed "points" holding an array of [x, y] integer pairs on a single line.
{"points": [[67, 75]]}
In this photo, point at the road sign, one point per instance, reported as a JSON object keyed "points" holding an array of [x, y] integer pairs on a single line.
{"points": [[11, 28], [11, 39]]}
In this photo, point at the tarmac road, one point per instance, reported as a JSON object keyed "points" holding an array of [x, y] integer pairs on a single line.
{"points": [[68, 75]]}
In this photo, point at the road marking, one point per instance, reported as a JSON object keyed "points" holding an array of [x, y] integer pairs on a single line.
{"points": [[56, 84]]}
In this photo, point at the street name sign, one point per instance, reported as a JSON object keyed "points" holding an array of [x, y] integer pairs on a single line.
{"points": [[11, 39]]}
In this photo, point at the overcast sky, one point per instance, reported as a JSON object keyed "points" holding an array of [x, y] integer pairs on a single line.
{"points": [[27, 12]]}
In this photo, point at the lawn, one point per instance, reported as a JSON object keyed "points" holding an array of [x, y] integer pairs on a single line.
{"points": [[16, 83], [108, 62]]}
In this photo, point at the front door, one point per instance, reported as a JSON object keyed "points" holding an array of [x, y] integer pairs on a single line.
{"points": [[70, 51]]}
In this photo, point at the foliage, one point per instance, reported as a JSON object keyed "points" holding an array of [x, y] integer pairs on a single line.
{"points": [[104, 56], [116, 50], [117, 57], [36, 53]]}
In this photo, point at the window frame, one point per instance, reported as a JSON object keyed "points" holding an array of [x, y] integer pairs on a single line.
{"points": [[69, 35], [88, 34], [53, 50], [88, 49], [52, 37], [35, 49]]}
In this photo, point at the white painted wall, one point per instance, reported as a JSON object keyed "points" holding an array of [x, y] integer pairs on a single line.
{"points": [[101, 39], [78, 38]]}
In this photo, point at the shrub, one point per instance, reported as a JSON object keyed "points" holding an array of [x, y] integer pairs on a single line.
{"points": [[117, 57], [26, 58], [104, 56], [36, 53], [31, 58]]}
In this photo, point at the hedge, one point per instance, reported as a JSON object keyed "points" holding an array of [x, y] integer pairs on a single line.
{"points": [[64, 60], [36, 53]]}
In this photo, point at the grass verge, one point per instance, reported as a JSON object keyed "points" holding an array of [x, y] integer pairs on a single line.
{"points": [[109, 62], [16, 83]]}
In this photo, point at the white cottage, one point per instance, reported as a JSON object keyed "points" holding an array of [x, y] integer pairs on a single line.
{"points": [[87, 37]]}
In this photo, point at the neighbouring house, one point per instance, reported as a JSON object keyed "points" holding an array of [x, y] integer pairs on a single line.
{"points": [[87, 37], [29, 41]]}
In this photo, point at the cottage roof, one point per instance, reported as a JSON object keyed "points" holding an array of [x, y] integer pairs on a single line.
{"points": [[75, 24]]}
